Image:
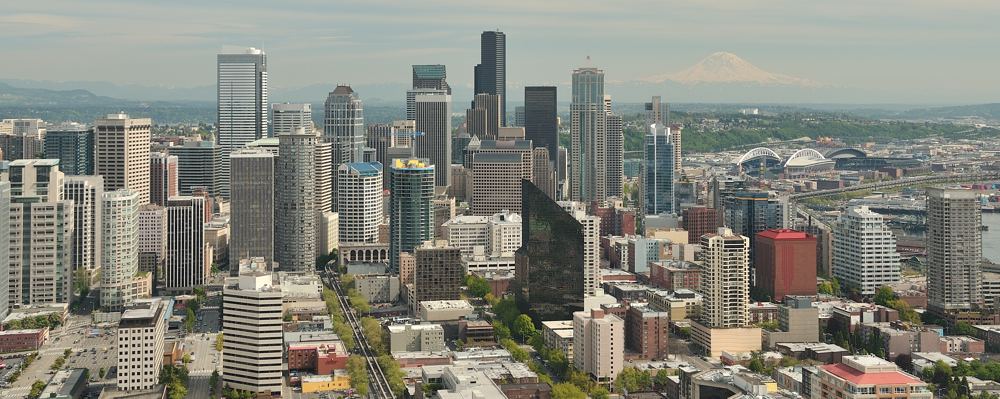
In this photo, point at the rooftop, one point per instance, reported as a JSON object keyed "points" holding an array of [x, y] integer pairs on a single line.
{"points": [[446, 304], [784, 234], [364, 168], [858, 377]]}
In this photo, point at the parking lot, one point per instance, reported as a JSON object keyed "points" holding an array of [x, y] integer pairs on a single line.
{"points": [[89, 350]]}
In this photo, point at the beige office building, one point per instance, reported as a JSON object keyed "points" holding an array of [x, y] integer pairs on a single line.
{"points": [[121, 153]]}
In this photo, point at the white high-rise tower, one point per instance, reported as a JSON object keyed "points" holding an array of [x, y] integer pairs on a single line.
{"points": [[242, 103]]}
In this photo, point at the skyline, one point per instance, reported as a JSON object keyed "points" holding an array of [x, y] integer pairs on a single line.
{"points": [[856, 55]]}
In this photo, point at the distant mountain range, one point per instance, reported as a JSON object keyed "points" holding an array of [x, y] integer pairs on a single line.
{"points": [[719, 78]]}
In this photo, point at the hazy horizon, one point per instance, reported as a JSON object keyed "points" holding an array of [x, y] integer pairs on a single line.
{"points": [[895, 51]]}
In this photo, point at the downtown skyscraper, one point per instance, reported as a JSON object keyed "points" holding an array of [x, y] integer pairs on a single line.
{"points": [[122, 153], [295, 201], [491, 73], [589, 160], [432, 113], [411, 206], [252, 207], [242, 103], [541, 123], [344, 125], [658, 171], [954, 250]]}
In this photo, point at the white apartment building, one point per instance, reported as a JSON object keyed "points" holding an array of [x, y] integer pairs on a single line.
{"points": [[252, 335], [360, 207], [498, 235], [725, 279], [121, 153], [864, 251], [86, 193], [140, 346], [120, 228], [598, 344], [41, 233]]}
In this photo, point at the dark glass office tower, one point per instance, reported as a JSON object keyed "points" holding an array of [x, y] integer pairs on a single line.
{"points": [[549, 273], [73, 146], [541, 125], [491, 73]]}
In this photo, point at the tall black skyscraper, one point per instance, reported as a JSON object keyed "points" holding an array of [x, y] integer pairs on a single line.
{"points": [[491, 73], [541, 125], [549, 276]]}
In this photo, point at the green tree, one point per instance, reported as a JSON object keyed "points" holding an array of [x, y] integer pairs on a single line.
{"points": [[884, 295], [36, 389], [506, 310], [963, 328], [373, 334], [599, 392], [501, 331], [358, 371], [213, 383], [189, 320], [395, 375], [478, 286], [567, 391], [523, 327], [218, 342], [633, 380], [662, 378]]}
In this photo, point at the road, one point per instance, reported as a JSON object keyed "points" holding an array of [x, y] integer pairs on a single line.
{"points": [[379, 385], [205, 360]]}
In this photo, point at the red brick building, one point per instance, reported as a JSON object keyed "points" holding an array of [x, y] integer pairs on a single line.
{"points": [[615, 221], [320, 358], [785, 263], [675, 275], [646, 332], [23, 340], [699, 221]]}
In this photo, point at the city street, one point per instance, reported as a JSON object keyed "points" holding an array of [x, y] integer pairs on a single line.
{"points": [[205, 359]]}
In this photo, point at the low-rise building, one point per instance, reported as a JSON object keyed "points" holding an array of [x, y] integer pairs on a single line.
{"points": [[66, 384], [681, 304], [798, 321], [416, 338], [337, 381], [377, 288], [444, 310], [675, 275], [865, 377], [317, 357], [23, 340], [558, 334]]}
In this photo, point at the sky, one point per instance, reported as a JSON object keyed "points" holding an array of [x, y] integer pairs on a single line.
{"points": [[911, 47]]}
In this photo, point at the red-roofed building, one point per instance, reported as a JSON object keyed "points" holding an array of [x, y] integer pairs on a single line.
{"points": [[865, 377], [785, 263]]}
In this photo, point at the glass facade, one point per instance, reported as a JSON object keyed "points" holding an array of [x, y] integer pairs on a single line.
{"points": [[659, 172], [550, 264]]}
